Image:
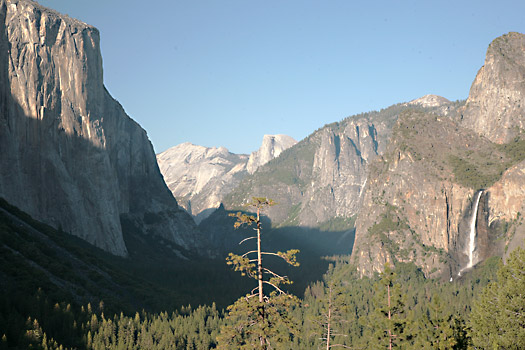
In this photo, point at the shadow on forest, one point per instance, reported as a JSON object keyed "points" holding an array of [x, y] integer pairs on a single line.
{"points": [[314, 245]]}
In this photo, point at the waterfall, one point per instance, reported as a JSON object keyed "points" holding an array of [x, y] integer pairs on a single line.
{"points": [[472, 234]]}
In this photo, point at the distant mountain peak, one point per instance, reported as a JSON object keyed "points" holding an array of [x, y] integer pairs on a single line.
{"points": [[429, 101], [199, 176], [272, 146]]}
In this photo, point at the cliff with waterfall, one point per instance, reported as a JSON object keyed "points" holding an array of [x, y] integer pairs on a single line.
{"points": [[423, 201]]}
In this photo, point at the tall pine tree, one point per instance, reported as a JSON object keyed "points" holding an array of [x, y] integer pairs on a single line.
{"points": [[259, 320], [387, 322]]}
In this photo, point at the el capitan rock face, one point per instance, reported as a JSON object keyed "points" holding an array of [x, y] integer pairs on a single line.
{"points": [[70, 156]]}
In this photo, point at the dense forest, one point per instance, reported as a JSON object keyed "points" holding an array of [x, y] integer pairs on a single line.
{"points": [[425, 314], [398, 308]]}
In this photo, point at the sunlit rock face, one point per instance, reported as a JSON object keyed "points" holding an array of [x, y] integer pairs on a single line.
{"points": [[430, 101], [200, 177], [496, 110], [320, 178], [419, 200], [496, 104], [414, 211], [70, 155], [506, 203], [271, 147], [411, 202]]}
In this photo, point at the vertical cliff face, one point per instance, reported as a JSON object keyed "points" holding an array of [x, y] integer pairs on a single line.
{"points": [[496, 104], [419, 200], [320, 179], [413, 209], [339, 170], [70, 156], [505, 206]]}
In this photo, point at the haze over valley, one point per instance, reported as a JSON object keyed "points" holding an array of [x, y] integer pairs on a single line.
{"points": [[401, 227]]}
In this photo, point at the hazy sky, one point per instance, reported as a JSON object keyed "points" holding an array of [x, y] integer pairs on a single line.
{"points": [[226, 72]]}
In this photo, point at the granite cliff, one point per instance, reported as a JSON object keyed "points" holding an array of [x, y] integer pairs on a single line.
{"points": [[71, 157], [319, 181], [272, 146], [419, 203], [495, 107], [199, 176]]}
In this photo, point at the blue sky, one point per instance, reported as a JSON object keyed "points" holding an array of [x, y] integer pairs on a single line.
{"points": [[226, 72]]}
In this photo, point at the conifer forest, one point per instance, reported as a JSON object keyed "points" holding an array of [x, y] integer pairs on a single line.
{"points": [[398, 308]]}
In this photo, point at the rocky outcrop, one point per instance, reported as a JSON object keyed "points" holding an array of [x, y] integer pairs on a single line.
{"points": [[418, 203], [413, 209], [506, 207], [199, 177], [70, 156], [271, 147], [339, 170], [430, 101], [320, 179], [419, 200], [496, 104], [319, 182]]}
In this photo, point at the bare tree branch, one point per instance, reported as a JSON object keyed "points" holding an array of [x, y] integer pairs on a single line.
{"points": [[244, 240]]}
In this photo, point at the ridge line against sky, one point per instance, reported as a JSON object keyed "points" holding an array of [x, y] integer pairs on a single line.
{"points": [[224, 73]]}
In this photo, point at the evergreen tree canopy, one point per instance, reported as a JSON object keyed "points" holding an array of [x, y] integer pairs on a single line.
{"points": [[498, 315]]}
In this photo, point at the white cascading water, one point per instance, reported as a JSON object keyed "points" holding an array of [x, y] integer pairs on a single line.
{"points": [[472, 235]]}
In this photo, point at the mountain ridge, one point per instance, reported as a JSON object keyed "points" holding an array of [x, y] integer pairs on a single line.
{"points": [[200, 177], [321, 178]]}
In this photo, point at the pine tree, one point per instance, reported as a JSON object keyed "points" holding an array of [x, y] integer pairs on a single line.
{"points": [[498, 315], [386, 322], [441, 324], [259, 320], [332, 313], [254, 325], [436, 329]]}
